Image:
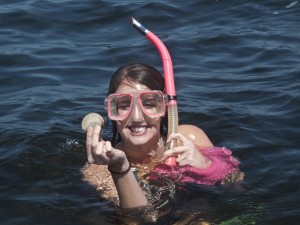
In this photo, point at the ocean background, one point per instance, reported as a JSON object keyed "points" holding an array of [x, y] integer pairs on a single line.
{"points": [[237, 74]]}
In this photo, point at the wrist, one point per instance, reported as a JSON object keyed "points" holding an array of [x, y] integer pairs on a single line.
{"points": [[119, 168]]}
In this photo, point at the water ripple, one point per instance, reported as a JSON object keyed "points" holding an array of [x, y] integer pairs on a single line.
{"points": [[236, 74]]}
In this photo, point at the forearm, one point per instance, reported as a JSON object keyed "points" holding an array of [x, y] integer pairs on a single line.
{"points": [[129, 191]]}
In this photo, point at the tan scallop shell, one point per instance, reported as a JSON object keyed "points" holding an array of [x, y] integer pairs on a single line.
{"points": [[91, 120]]}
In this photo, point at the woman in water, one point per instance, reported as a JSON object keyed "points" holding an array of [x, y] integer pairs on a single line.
{"points": [[118, 168]]}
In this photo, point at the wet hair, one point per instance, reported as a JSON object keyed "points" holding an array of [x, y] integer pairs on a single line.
{"points": [[140, 73]]}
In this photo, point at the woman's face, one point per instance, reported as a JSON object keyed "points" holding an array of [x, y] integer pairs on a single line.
{"points": [[138, 129]]}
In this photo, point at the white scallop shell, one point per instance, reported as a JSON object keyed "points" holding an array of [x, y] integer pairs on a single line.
{"points": [[91, 120]]}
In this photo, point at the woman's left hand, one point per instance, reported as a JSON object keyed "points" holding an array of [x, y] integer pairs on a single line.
{"points": [[187, 153]]}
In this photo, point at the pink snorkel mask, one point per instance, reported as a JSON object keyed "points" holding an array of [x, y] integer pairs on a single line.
{"points": [[169, 82]]}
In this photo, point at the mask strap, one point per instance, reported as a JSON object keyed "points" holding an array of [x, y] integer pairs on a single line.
{"points": [[170, 97]]}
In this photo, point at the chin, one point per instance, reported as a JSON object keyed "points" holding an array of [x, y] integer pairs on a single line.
{"points": [[140, 140]]}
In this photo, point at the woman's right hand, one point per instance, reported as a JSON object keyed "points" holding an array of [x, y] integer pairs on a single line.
{"points": [[101, 152]]}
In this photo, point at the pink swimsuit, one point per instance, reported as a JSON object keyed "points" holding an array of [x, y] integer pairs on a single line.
{"points": [[223, 164]]}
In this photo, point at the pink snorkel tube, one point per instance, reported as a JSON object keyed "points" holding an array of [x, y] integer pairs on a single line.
{"points": [[169, 83]]}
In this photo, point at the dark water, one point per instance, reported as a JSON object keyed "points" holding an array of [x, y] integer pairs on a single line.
{"points": [[237, 70]]}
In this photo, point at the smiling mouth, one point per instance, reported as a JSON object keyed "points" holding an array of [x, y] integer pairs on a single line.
{"points": [[138, 130]]}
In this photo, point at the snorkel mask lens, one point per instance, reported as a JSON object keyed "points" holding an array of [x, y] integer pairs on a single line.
{"points": [[119, 106]]}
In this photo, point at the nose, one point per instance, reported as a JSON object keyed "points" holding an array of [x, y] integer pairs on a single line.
{"points": [[137, 114]]}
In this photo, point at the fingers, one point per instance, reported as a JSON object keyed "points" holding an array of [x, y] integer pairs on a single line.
{"points": [[94, 145], [175, 150], [89, 137], [187, 145], [187, 154], [108, 146], [183, 151], [103, 148], [183, 163], [181, 157], [185, 159], [96, 136], [100, 149], [182, 138]]}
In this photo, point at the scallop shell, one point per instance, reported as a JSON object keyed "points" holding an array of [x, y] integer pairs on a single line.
{"points": [[91, 120]]}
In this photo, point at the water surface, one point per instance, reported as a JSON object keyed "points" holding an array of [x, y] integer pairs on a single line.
{"points": [[237, 68]]}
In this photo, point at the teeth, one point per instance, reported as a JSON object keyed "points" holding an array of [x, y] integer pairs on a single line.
{"points": [[138, 129]]}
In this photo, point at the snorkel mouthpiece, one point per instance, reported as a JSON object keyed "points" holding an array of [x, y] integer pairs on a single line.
{"points": [[169, 83]]}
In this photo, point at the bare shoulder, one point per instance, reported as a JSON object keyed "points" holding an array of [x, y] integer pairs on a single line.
{"points": [[195, 134]]}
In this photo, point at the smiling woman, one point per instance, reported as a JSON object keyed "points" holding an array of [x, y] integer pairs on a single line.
{"points": [[133, 160], [236, 75]]}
